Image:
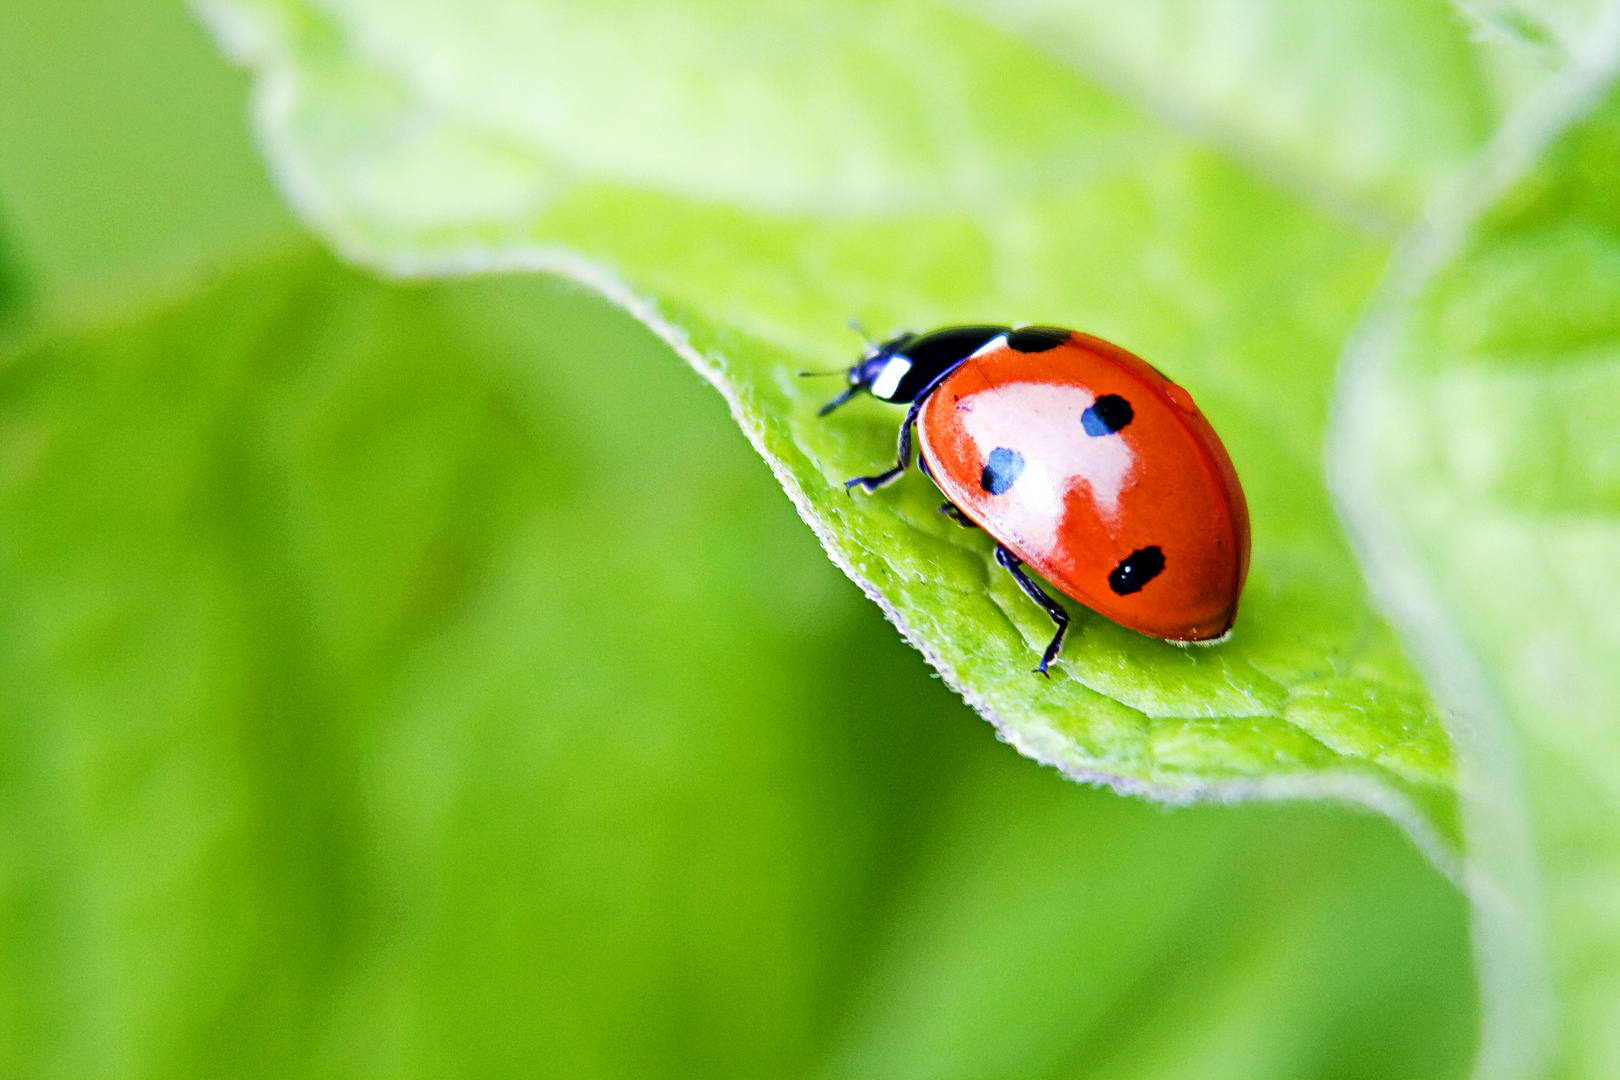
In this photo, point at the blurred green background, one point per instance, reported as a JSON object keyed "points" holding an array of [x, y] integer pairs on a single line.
{"points": [[403, 680]]}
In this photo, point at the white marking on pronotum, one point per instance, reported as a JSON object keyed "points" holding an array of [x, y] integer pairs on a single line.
{"points": [[888, 380], [994, 343]]}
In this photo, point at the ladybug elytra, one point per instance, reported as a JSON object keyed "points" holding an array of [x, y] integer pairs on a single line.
{"points": [[1082, 461]]}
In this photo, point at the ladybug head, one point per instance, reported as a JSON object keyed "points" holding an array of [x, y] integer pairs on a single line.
{"points": [[877, 372]]}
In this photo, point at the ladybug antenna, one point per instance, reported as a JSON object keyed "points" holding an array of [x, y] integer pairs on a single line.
{"points": [[855, 325], [819, 374], [837, 401]]}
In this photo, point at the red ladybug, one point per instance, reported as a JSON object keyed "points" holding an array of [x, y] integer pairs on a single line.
{"points": [[1079, 459]]}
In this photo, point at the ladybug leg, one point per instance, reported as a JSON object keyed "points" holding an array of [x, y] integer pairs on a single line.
{"points": [[870, 484], [1014, 567], [948, 508]]}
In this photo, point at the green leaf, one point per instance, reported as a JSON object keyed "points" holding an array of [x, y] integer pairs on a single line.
{"points": [[1483, 395], [213, 862], [378, 696], [348, 714], [1370, 107], [1006, 958], [13, 288], [745, 183], [117, 180]]}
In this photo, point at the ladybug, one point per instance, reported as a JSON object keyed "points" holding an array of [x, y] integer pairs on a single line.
{"points": [[1082, 461]]}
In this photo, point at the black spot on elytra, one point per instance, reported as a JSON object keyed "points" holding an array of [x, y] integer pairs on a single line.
{"points": [[1036, 338], [1001, 470], [1107, 415], [1136, 570]]}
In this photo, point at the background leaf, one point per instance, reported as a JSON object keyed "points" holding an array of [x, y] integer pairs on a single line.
{"points": [[118, 183], [1483, 394], [1366, 109], [13, 289]]}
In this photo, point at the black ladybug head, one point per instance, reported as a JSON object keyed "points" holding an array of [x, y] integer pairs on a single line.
{"points": [[907, 366], [867, 373]]}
